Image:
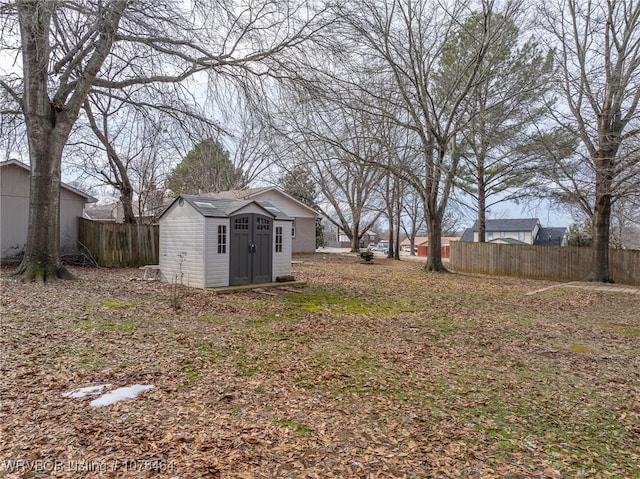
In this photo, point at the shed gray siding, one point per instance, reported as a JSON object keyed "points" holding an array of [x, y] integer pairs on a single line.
{"points": [[14, 209], [182, 233], [217, 264], [282, 261]]}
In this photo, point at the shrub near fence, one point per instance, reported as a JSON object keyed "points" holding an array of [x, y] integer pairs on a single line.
{"points": [[120, 245], [555, 263]]}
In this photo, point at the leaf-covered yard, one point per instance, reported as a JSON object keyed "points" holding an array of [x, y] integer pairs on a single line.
{"points": [[372, 370]]}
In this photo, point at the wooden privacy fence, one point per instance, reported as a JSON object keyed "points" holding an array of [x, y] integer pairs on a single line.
{"points": [[118, 244], [445, 251], [555, 263]]}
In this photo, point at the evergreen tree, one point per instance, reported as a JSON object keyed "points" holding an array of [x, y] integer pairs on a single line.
{"points": [[299, 184], [206, 169]]}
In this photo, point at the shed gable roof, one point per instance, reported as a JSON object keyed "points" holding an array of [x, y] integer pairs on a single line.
{"points": [[210, 207]]}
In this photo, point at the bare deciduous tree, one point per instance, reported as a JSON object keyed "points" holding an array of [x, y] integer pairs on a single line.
{"points": [[126, 148], [599, 59], [331, 143], [406, 39], [65, 50]]}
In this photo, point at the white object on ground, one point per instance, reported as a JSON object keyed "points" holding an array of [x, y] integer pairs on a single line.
{"points": [[120, 394], [86, 391]]}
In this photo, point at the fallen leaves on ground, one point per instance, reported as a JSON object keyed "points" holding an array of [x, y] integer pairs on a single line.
{"points": [[372, 371]]}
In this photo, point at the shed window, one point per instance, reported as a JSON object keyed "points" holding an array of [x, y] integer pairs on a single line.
{"points": [[278, 239], [241, 223], [521, 235], [489, 235], [222, 239], [262, 224]]}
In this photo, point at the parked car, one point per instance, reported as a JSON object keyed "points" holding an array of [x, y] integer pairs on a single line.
{"points": [[383, 247]]}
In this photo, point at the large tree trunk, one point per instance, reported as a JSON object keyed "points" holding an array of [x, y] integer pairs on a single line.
{"points": [[126, 198], [434, 253], [355, 239], [601, 219], [41, 260], [49, 122], [482, 205]]}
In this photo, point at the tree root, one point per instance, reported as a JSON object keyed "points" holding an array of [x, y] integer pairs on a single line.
{"points": [[34, 271], [435, 268]]}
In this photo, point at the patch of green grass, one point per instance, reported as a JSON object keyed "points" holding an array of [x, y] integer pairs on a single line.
{"points": [[124, 326], [89, 358], [191, 376], [247, 367], [91, 363], [123, 366], [113, 304], [581, 348], [325, 301], [495, 432], [626, 330], [299, 428], [337, 303]]}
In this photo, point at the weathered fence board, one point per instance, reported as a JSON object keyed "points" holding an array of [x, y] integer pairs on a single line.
{"points": [[555, 263], [119, 244]]}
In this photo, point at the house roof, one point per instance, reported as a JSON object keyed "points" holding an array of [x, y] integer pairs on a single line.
{"points": [[424, 240], [237, 194], [88, 198], [252, 193], [516, 224], [550, 236], [417, 241], [223, 207], [506, 241], [107, 212]]}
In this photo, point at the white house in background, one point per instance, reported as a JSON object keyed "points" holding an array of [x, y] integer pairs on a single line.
{"points": [[304, 218], [14, 210], [210, 242], [518, 231]]}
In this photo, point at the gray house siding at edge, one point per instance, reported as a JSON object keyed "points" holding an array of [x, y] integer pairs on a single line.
{"points": [[14, 210]]}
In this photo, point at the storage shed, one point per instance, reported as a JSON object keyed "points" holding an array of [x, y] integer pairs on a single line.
{"points": [[208, 242]]}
